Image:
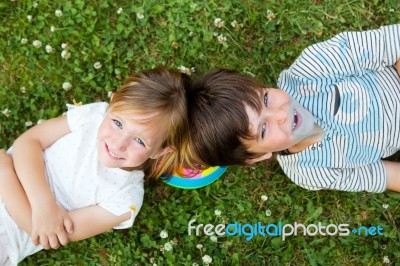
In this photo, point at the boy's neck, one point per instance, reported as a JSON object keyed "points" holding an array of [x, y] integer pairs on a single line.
{"points": [[316, 136]]}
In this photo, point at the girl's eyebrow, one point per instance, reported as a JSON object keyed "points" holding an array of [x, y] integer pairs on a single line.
{"points": [[146, 143]]}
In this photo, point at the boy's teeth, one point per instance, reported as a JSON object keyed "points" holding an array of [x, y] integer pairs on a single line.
{"points": [[294, 120]]}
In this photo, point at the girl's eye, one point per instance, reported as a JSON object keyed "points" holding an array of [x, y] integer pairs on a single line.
{"points": [[263, 129], [266, 99], [140, 141], [117, 123]]}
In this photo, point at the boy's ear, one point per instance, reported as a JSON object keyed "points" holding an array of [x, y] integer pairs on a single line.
{"points": [[261, 158], [162, 152]]}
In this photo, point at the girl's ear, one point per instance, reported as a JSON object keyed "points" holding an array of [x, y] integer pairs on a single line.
{"points": [[162, 152], [261, 158]]}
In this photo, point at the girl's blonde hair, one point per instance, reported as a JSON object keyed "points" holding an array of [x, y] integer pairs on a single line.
{"points": [[162, 91]]}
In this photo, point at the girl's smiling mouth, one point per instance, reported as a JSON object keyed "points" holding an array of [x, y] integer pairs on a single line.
{"points": [[113, 155]]}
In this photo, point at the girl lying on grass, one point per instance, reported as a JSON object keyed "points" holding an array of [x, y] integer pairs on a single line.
{"points": [[82, 174], [334, 118]]}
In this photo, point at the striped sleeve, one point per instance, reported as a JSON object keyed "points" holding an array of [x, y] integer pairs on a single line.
{"points": [[370, 178], [349, 53]]}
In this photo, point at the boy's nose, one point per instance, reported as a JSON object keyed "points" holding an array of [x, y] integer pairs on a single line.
{"points": [[278, 115]]}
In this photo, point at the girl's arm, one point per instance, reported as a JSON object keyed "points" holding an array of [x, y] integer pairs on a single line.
{"points": [[49, 220], [88, 221], [93, 220], [12, 193]]}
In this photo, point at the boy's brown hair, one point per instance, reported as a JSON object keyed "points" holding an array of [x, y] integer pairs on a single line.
{"points": [[219, 121]]}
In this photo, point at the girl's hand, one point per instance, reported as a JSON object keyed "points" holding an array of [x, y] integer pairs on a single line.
{"points": [[51, 225]]}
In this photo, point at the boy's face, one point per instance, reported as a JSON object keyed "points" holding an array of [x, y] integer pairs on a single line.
{"points": [[123, 142], [281, 124]]}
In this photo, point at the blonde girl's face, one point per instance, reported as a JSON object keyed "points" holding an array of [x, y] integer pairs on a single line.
{"points": [[124, 142]]}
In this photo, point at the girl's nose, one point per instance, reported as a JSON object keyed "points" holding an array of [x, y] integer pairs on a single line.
{"points": [[120, 143]]}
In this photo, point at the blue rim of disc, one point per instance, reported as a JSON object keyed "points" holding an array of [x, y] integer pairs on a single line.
{"points": [[194, 182]]}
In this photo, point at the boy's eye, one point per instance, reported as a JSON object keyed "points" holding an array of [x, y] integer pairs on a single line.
{"points": [[140, 141], [266, 99], [263, 129], [117, 123]]}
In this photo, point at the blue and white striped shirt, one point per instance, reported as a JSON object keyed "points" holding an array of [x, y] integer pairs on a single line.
{"points": [[355, 70]]}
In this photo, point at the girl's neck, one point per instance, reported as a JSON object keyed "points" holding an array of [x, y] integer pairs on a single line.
{"points": [[316, 136]]}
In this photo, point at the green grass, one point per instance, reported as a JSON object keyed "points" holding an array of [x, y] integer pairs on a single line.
{"points": [[182, 32]]}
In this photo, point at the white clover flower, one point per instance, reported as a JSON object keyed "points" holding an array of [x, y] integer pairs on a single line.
{"points": [[29, 18], [167, 246], [119, 11], [152, 260], [140, 15], [221, 39], [52, 28], [35, 4], [24, 40], [97, 65], [270, 15], [40, 121], [386, 260], [37, 43], [28, 123], [23, 89], [199, 246], [6, 112], [219, 23], [49, 49], [234, 23], [164, 234], [191, 34], [264, 197], [66, 86], [65, 54], [207, 259], [214, 239], [64, 45], [215, 34], [217, 212], [268, 213], [185, 70], [385, 206], [58, 13]]}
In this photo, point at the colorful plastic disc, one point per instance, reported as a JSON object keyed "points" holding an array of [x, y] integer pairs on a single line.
{"points": [[193, 179]]}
